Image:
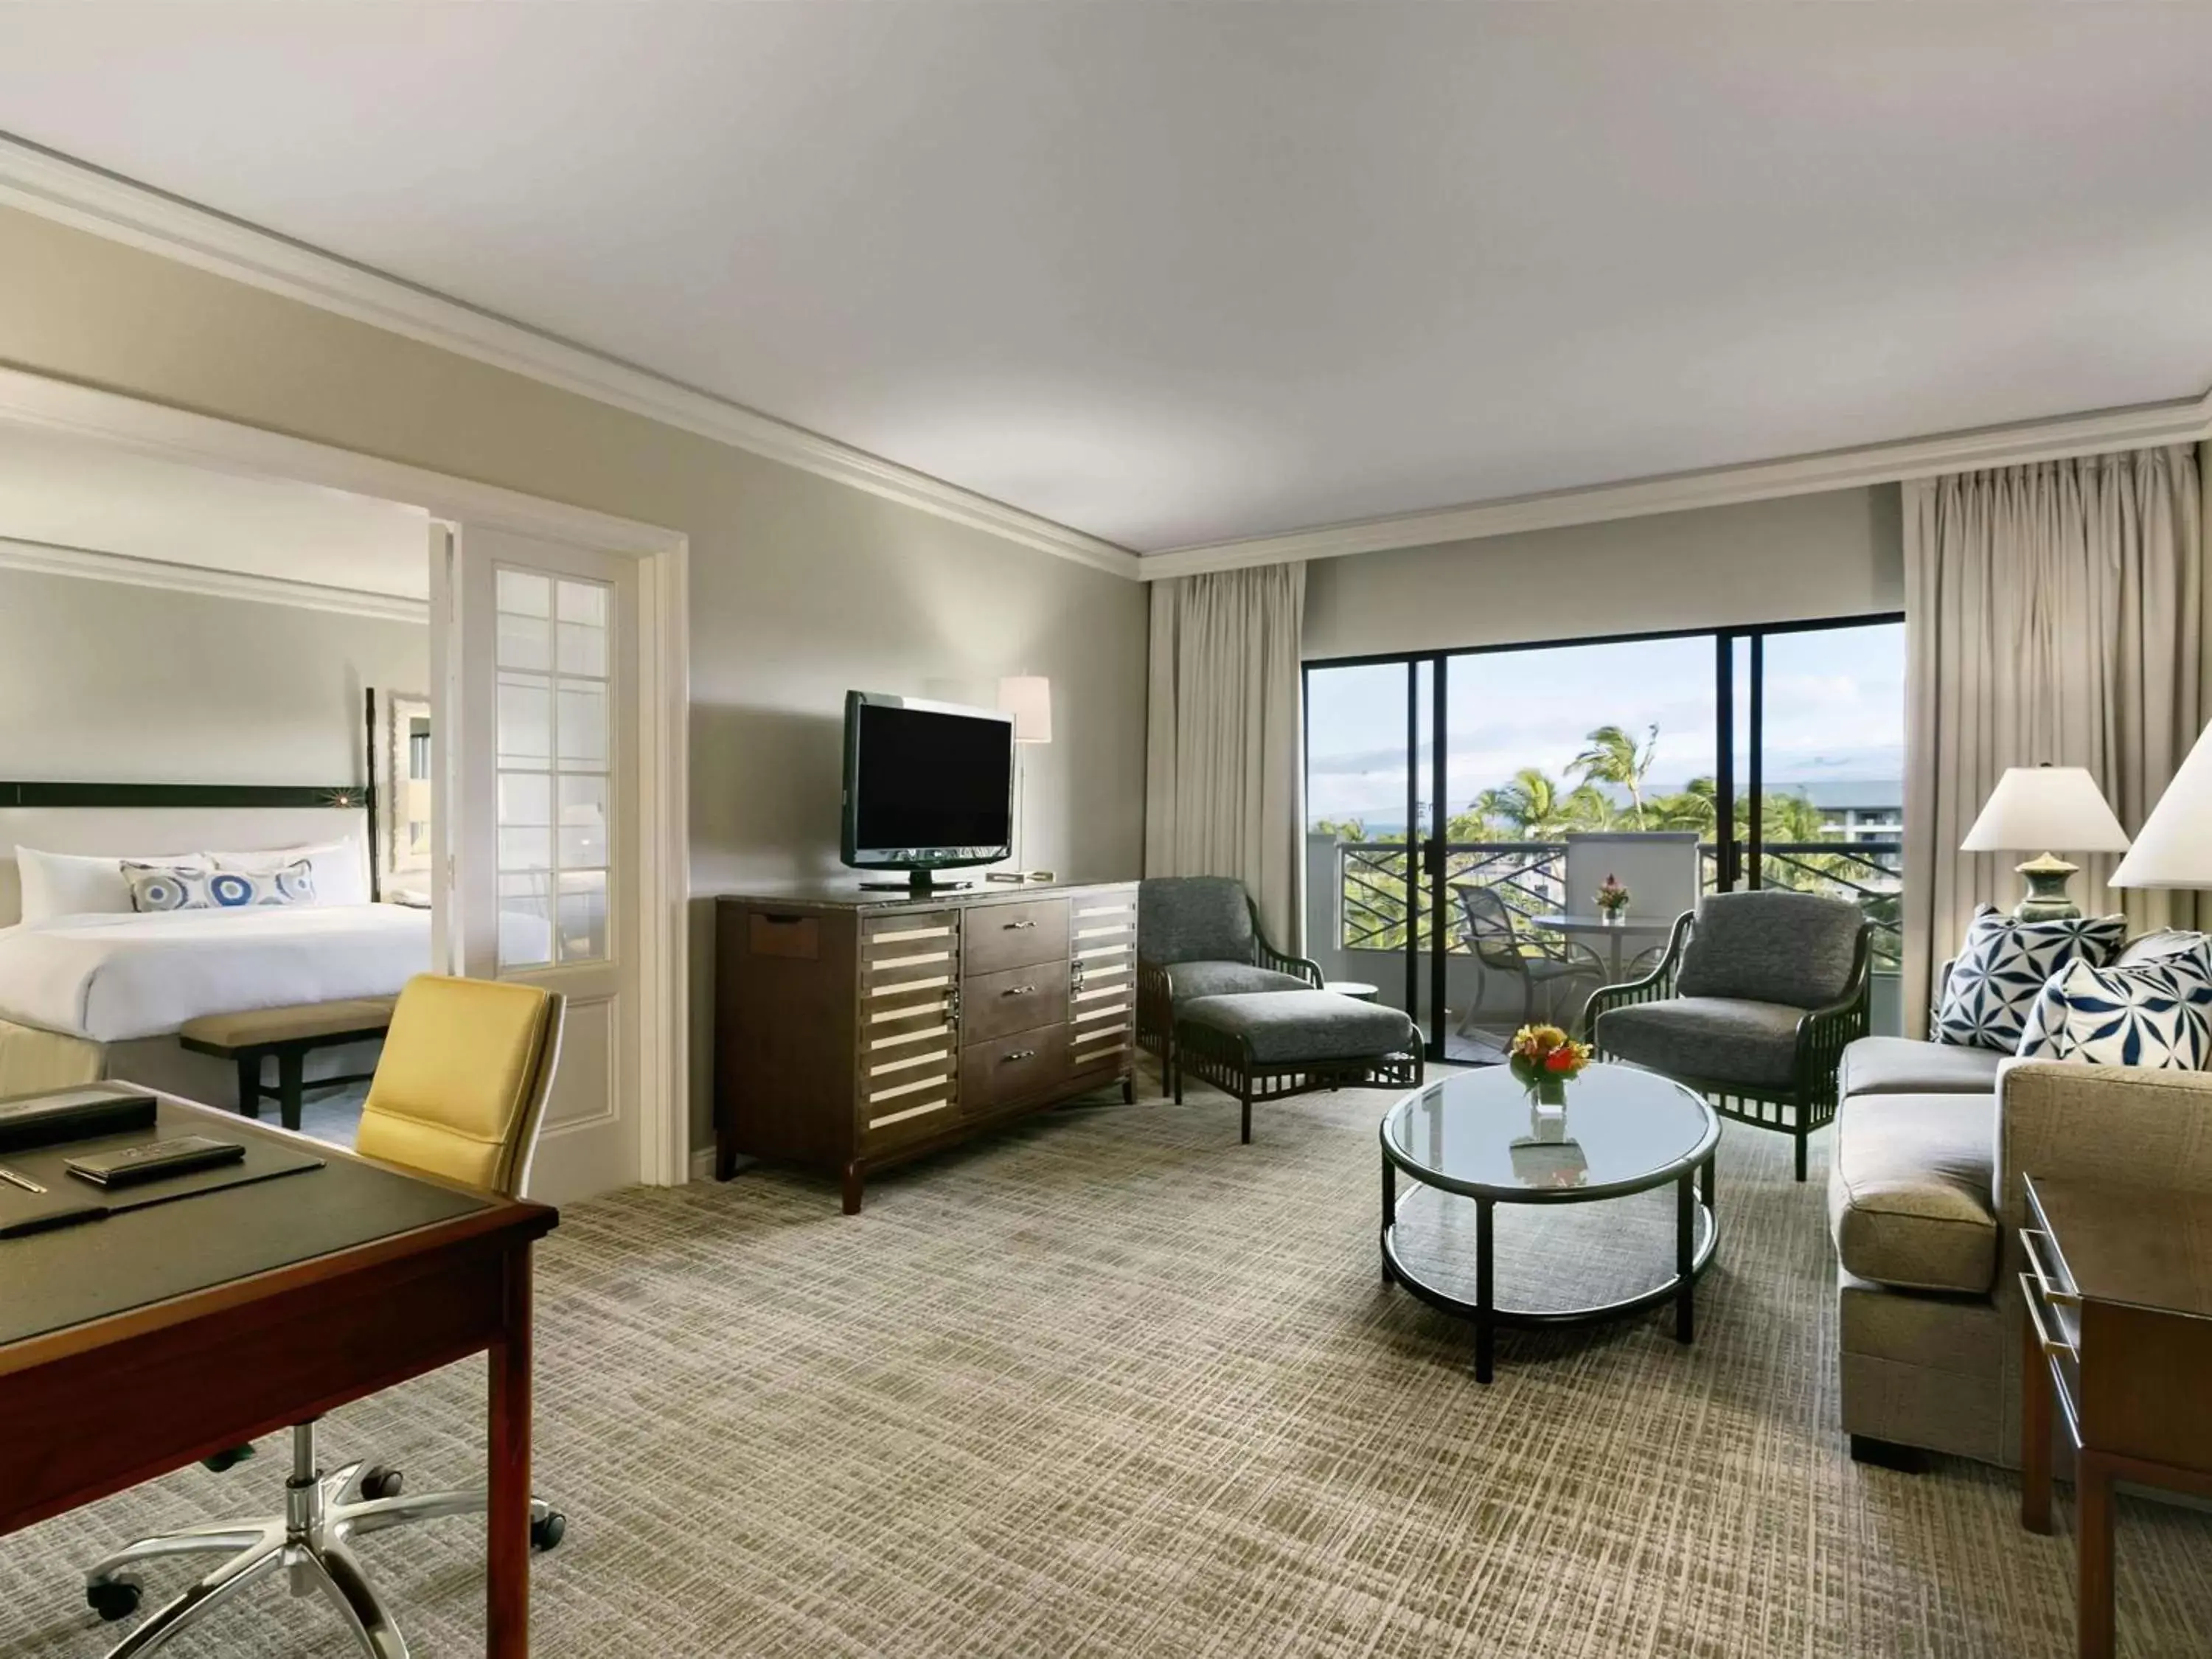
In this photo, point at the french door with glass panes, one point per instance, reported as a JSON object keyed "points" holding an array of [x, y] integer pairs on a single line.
{"points": [[544, 835]]}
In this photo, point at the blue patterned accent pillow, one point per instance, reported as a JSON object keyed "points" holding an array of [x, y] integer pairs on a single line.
{"points": [[2156, 1013], [2004, 965], [156, 888]]}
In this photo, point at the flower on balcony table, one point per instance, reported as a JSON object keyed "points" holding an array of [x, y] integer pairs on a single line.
{"points": [[1611, 897], [1547, 1052]]}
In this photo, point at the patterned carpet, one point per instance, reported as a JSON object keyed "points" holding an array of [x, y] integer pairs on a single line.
{"points": [[1113, 1384]]}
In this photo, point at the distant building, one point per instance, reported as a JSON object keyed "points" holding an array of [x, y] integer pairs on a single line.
{"points": [[1858, 809]]}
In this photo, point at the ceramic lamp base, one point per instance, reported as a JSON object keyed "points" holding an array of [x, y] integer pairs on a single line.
{"points": [[2046, 898]]}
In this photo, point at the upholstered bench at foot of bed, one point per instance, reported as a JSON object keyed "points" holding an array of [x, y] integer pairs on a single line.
{"points": [[289, 1035], [1264, 1045]]}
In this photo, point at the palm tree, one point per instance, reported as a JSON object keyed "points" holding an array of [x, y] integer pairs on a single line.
{"points": [[1615, 757], [1696, 806]]}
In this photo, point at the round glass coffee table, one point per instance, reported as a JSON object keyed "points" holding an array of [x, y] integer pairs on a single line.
{"points": [[1483, 1134]]}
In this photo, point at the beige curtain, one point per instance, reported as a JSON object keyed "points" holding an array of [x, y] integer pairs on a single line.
{"points": [[2053, 612], [1222, 774]]}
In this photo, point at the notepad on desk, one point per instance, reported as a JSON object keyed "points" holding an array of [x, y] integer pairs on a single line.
{"points": [[53, 1116]]}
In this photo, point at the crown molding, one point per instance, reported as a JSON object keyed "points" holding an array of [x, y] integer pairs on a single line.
{"points": [[48, 560], [56, 187], [2139, 427]]}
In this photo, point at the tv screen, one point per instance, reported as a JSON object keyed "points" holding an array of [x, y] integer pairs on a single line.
{"points": [[926, 784]]}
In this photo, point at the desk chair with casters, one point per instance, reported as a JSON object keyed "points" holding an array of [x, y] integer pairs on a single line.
{"points": [[459, 1094]]}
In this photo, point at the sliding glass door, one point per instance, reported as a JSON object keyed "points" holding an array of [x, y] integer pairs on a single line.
{"points": [[1464, 808]]}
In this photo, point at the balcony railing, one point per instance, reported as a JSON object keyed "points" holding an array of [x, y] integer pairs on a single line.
{"points": [[1531, 876]]}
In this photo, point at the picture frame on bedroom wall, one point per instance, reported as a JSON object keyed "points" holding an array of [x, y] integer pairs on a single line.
{"points": [[401, 777]]}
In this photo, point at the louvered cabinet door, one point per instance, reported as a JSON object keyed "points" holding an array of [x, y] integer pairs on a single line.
{"points": [[909, 1046], [1102, 1012]]}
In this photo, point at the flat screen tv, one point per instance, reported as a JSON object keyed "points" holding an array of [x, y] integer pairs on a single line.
{"points": [[928, 785]]}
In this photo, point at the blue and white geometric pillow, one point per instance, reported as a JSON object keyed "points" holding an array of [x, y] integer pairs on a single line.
{"points": [[2004, 964], [156, 888], [2156, 1014]]}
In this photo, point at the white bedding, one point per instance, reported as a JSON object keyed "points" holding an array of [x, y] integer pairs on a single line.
{"points": [[115, 977]]}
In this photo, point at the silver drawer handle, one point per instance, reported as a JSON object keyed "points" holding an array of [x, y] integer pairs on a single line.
{"points": [[2067, 1298], [2043, 1337], [1011, 926], [1023, 1054], [1019, 991]]}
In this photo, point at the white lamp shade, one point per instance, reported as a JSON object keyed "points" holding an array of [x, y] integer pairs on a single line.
{"points": [[2045, 809], [1028, 698], [2175, 847]]}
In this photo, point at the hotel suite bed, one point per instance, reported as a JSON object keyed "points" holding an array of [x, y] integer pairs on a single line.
{"points": [[100, 993]]}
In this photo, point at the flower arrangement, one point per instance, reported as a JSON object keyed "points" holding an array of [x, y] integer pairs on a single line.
{"points": [[1613, 898], [1543, 1053]]}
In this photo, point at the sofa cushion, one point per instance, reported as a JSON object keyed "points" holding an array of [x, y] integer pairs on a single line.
{"points": [[2004, 964], [2157, 1014], [1193, 918], [1903, 1066], [1717, 1039], [1771, 946], [1186, 979], [2159, 945], [1909, 1191], [1285, 1026]]}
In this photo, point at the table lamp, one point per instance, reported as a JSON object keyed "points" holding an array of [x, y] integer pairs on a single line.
{"points": [[1028, 698], [2175, 847], [2045, 806]]}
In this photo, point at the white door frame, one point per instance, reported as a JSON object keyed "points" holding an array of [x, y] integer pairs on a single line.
{"points": [[664, 644]]}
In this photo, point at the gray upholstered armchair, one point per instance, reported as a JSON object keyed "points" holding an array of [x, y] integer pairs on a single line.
{"points": [[1752, 1006], [1199, 936]]}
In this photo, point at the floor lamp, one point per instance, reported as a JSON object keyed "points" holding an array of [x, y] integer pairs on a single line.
{"points": [[1028, 698]]}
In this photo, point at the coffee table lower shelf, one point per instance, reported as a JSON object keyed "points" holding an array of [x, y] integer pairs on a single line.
{"points": [[1697, 1235]]}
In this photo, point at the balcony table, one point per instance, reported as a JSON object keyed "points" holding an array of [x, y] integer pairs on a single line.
{"points": [[1633, 927]]}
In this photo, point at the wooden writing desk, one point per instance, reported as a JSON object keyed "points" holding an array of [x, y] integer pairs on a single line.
{"points": [[132, 1346], [2118, 1336]]}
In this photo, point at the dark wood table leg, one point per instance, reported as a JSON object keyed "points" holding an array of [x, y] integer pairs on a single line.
{"points": [[2034, 1429], [1686, 1255], [507, 1623], [1389, 1211], [291, 1086], [249, 1083], [2092, 1492], [1485, 1305], [852, 1188]]}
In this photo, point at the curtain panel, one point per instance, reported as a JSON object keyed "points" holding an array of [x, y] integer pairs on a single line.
{"points": [[2054, 612], [1222, 781]]}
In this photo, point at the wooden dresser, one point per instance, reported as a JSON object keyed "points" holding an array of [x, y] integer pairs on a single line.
{"points": [[855, 1030]]}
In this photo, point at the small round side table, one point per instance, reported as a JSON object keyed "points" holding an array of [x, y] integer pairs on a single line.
{"points": [[1358, 989]]}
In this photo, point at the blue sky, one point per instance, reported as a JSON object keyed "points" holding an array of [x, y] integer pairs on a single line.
{"points": [[1835, 711]]}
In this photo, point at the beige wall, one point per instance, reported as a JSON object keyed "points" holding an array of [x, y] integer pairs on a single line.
{"points": [[801, 587], [1836, 554], [109, 683]]}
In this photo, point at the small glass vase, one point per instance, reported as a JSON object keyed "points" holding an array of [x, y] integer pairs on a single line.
{"points": [[1613, 918], [1550, 1090]]}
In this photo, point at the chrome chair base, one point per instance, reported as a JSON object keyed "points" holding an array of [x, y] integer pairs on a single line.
{"points": [[309, 1543]]}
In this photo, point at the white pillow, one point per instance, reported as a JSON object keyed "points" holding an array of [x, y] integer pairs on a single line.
{"points": [[340, 873], [69, 884]]}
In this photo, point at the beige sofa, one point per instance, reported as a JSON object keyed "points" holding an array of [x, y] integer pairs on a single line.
{"points": [[1924, 1206]]}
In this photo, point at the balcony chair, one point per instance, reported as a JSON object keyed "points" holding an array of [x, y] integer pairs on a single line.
{"points": [[1199, 936], [459, 1093], [1491, 933], [1751, 1006]]}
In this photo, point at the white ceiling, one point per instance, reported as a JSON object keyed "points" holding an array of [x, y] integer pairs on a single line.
{"points": [[1174, 273], [69, 492]]}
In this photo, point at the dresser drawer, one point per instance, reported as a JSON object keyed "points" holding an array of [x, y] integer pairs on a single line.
{"points": [[1019, 999], [1001, 936], [1012, 1070]]}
